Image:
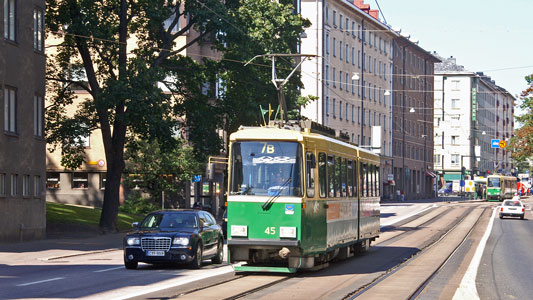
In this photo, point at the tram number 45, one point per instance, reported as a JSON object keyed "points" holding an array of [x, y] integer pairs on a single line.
{"points": [[270, 230]]}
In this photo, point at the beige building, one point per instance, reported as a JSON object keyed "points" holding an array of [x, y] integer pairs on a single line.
{"points": [[22, 143]]}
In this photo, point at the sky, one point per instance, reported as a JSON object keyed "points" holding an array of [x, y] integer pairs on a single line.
{"points": [[490, 36]]}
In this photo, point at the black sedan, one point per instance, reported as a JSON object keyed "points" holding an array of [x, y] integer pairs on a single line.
{"points": [[174, 236]]}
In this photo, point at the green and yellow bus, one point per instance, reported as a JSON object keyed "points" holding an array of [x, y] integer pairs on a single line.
{"points": [[500, 187], [297, 199]]}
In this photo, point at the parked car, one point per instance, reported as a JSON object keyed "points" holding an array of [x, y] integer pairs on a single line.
{"points": [[446, 190], [185, 236], [512, 208]]}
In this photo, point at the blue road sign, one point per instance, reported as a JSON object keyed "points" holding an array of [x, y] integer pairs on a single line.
{"points": [[527, 171], [495, 143], [462, 182], [197, 178]]}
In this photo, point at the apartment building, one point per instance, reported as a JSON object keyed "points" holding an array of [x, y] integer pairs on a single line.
{"points": [[351, 73], [412, 112], [470, 112], [22, 143]]}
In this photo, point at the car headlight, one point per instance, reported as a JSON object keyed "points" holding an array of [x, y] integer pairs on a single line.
{"points": [[132, 241], [182, 241]]}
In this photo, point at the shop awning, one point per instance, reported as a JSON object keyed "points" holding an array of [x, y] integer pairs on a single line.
{"points": [[429, 173]]}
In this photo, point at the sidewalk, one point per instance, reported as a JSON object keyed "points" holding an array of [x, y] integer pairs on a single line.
{"points": [[54, 248]]}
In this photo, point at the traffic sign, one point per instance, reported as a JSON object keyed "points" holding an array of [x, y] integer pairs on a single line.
{"points": [[462, 183], [502, 144], [197, 178], [495, 143]]}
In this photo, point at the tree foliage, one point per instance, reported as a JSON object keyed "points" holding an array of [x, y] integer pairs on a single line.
{"points": [[522, 141], [126, 56]]}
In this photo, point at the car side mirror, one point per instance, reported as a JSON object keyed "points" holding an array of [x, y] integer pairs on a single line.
{"points": [[135, 224]]}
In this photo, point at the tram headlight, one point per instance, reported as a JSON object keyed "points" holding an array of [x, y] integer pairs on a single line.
{"points": [[239, 230], [287, 232]]}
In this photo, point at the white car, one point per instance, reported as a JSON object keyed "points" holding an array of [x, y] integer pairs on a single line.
{"points": [[512, 208]]}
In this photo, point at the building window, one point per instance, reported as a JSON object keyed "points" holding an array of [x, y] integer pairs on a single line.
{"points": [[26, 185], [80, 180], [353, 87], [353, 56], [10, 110], [103, 177], [353, 28], [359, 59], [38, 29], [455, 103], [455, 159], [347, 116], [340, 110], [340, 80], [340, 21], [37, 186], [52, 180], [327, 14], [455, 85], [37, 115], [334, 77], [455, 139], [14, 183], [334, 47], [327, 43], [10, 15], [327, 75], [340, 50], [334, 108], [2, 184], [347, 57], [334, 18], [327, 106], [353, 116]]}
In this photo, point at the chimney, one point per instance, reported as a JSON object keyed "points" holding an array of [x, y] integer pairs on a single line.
{"points": [[374, 13], [361, 5]]}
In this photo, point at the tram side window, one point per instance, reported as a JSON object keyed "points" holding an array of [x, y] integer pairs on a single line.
{"points": [[356, 182], [350, 178], [373, 180], [310, 165], [343, 175], [338, 179], [331, 176], [364, 182], [322, 177], [378, 191]]}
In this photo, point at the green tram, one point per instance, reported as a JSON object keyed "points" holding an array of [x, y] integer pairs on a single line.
{"points": [[500, 187], [298, 199]]}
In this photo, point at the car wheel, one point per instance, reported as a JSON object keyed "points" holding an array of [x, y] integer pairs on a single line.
{"points": [[521, 217], [501, 216], [196, 262], [130, 265], [220, 254]]}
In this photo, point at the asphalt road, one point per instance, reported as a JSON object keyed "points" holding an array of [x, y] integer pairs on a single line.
{"points": [[506, 266]]}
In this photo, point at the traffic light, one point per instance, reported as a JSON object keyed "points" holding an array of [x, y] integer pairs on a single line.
{"points": [[463, 170]]}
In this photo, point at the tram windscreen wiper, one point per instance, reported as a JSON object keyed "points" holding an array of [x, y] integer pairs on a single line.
{"points": [[272, 199]]}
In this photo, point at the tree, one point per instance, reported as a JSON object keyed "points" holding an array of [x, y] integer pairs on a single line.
{"points": [[522, 142], [122, 51]]}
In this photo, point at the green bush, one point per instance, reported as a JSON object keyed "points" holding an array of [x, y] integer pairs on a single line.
{"points": [[136, 204]]}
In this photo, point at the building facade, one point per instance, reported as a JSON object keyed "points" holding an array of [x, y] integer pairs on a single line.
{"points": [[22, 143], [470, 112], [412, 111], [351, 74]]}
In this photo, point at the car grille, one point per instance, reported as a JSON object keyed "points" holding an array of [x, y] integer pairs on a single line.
{"points": [[155, 244]]}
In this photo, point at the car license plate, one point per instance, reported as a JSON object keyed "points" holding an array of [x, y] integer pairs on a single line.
{"points": [[512, 208], [155, 253]]}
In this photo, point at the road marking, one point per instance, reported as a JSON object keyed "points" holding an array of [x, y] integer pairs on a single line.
{"points": [[110, 269], [42, 281], [467, 289]]}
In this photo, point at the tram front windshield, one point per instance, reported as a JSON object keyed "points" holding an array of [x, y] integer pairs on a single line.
{"points": [[266, 168], [493, 182]]}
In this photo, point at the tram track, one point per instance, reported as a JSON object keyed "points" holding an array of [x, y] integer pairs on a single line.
{"points": [[380, 285], [430, 231]]}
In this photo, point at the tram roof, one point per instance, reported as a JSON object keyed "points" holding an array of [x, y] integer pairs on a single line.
{"points": [[287, 134]]}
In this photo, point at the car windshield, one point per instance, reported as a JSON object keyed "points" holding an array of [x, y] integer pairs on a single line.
{"points": [[512, 203], [266, 168], [493, 182], [169, 221]]}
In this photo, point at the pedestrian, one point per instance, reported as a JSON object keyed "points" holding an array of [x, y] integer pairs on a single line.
{"points": [[403, 196], [398, 195]]}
